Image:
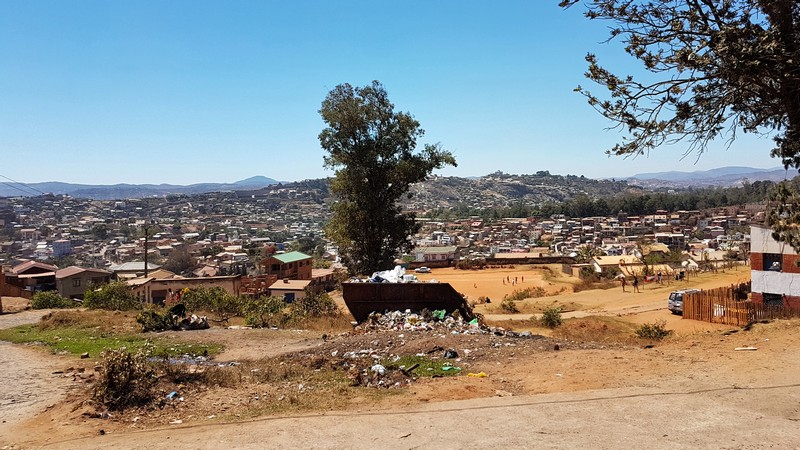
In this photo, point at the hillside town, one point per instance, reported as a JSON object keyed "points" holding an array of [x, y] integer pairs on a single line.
{"points": [[64, 243]]}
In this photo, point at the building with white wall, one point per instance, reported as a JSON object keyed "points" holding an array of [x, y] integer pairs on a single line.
{"points": [[775, 270]]}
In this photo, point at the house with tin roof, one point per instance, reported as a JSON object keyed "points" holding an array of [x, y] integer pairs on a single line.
{"points": [[290, 265], [72, 282]]}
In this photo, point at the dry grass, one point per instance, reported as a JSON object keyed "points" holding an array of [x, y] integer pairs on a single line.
{"points": [[538, 305], [105, 321], [597, 329]]}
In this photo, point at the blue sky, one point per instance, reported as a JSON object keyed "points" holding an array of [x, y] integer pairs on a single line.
{"points": [[182, 92]]}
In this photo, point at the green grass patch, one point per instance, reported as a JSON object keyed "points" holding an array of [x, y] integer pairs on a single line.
{"points": [[78, 340], [428, 367]]}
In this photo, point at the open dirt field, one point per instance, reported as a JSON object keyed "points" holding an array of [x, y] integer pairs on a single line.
{"points": [[589, 384]]}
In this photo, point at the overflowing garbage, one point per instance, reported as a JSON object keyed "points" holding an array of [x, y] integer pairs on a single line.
{"points": [[396, 275], [438, 321]]}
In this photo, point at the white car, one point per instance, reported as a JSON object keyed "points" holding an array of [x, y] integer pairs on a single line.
{"points": [[675, 301], [422, 269]]}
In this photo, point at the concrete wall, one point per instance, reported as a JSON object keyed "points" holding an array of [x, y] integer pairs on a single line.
{"points": [[775, 282], [761, 242]]}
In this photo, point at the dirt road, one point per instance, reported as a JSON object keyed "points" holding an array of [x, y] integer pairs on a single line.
{"points": [[27, 382], [722, 417]]}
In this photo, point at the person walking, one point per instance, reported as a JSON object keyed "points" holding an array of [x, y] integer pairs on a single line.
{"points": [[623, 283], [636, 284]]}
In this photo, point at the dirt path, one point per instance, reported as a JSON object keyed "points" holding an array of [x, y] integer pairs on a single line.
{"points": [[722, 417], [27, 382]]}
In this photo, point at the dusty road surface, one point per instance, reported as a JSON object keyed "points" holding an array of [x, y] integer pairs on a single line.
{"points": [[725, 417], [692, 390], [27, 382]]}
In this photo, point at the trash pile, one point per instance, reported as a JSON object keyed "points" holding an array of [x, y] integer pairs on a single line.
{"points": [[437, 321], [396, 275], [426, 320]]}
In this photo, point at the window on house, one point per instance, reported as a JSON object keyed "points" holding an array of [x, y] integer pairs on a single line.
{"points": [[76, 282], [276, 267], [773, 262]]}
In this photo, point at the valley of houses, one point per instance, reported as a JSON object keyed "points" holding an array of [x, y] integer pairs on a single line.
{"points": [[244, 243]]}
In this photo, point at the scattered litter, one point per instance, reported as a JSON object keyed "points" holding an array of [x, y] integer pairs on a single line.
{"points": [[450, 354], [172, 395], [176, 422], [448, 368], [746, 349], [379, 369], [478, 375], [502, 393]]}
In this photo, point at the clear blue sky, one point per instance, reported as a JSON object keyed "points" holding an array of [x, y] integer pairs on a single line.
{"points": [[181, 92]]}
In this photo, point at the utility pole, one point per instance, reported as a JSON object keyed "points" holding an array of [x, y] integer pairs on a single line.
{"points": [[145, 250], [146, 237]]}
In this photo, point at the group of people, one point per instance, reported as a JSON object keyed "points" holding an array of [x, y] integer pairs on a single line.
{"points": [[512, 281], [624, 282]]}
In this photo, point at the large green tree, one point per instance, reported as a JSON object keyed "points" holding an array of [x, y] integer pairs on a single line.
{"points": [[373, 151], [715, 67]]}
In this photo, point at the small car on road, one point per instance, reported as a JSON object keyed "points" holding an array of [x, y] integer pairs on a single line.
{"points": [[675, 302], [422, 269]]}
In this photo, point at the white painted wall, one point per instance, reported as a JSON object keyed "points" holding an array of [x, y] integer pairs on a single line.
{"points": [[761, 242], [775, 282]]}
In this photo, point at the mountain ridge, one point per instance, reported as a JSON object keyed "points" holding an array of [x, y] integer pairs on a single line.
{"points": [[534, 187]]}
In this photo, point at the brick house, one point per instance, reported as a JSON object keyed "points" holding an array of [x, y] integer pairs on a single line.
{"points": [[290, 265], [775, 270]]}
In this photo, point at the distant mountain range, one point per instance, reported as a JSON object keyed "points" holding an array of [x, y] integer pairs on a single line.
{"points": [[539, 187], [123, 191], [723, 177]]}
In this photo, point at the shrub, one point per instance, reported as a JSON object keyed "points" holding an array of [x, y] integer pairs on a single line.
{"points": [[522, 294], [551, 317], [216, 301], [126, 380], [264, 311], [313, 305], [50, 299], [509, 305], [655, 331], [116, 296], [152, 321], [200, 298]]}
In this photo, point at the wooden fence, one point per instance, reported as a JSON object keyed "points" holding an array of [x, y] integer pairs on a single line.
{"points": [[728, 305]]}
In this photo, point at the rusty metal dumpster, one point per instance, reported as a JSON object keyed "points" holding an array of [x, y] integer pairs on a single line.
{"points": [[364, 298]]}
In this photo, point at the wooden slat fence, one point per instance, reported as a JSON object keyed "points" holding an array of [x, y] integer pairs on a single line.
{"points": [[728, 305]]}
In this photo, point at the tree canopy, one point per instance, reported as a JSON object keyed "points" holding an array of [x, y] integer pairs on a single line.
{"points": [[373, 150], [717, 67]]}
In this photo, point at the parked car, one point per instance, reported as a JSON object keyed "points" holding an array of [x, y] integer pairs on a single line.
{"points": [[422, 269], [675, 302]]}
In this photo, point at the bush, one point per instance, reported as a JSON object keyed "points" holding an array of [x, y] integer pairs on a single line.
{"points": [[313, 305], [216, 301], [551, 317], [263, 312], [116, 296], [522, 294], [50, 299], [126, 380], [655, 331], [509, 305]]}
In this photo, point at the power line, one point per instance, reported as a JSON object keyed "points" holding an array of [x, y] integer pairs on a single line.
{"points": [[17, 188], [21, 184]]}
